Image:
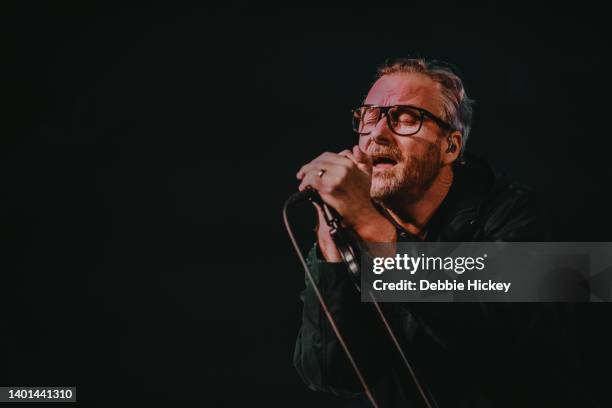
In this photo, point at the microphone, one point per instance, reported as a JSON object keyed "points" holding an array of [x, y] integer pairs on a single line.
{"points": [[331, 215], [346, 241], [303, 195]]}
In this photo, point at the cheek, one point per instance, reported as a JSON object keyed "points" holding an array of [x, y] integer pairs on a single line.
{"points": [[409, 148], [415, 147]]}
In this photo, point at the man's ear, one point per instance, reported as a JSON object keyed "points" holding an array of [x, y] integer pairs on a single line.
{"points": [[452, 147]]}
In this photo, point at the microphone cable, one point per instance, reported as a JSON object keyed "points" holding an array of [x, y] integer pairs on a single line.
{"points": [[330, 318], [312, 195]]}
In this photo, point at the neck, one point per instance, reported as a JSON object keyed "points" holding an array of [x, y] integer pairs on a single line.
{"points": [[413, 215]]}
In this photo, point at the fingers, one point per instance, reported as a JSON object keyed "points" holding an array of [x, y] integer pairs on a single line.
{"points": [[364, 161], [336, 166], [326, 161], [311, 179], [349, 155], [328, 180], [361, 156], [358, 156]]}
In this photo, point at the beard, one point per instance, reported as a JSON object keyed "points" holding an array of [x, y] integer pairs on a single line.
{"points": [[409, 178]]}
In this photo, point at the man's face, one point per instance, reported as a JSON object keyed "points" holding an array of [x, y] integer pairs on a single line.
{"points": [[404, 166]]}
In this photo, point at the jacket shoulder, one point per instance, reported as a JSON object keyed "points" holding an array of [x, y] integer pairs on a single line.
{"points": [[513, 212]]}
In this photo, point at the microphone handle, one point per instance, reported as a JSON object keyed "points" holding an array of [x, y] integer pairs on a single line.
{"points": [[346, 240], [304, 195]]}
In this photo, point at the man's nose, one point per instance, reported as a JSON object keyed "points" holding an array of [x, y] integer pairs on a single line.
{"points": [[381, 134]]}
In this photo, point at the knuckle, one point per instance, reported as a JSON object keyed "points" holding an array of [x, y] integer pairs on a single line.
{"points": [[335, 182]]}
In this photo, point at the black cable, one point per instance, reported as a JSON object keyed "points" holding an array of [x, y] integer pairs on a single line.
{"points": [[334, 223], [331, 320]]}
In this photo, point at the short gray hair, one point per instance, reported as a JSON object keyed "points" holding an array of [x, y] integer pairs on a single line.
{"points": [[457, 107]]}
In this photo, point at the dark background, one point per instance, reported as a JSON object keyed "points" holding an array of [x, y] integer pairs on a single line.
{"points": [[146, 154]]}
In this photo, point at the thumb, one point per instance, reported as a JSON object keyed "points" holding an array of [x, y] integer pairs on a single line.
{"points": [[364, 161]]}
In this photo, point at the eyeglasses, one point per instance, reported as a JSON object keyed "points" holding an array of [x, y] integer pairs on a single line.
{"points": [[403, 120]]}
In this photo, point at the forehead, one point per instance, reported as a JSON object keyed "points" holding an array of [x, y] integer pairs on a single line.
{"points": [[406, 89]]}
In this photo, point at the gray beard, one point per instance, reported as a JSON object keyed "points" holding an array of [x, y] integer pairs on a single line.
{"points": [[409, 179]]}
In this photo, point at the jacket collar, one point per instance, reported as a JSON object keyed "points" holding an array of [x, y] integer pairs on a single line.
{"points": [[473, 183]]}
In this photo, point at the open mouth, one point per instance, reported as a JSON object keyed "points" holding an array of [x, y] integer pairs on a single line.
{"points": [[382, 162]]}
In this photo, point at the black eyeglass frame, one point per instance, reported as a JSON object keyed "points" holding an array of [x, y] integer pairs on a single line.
{"points": [[384, 110]]}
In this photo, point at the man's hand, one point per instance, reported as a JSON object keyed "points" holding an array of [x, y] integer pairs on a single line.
{"points": [[345, 185]]}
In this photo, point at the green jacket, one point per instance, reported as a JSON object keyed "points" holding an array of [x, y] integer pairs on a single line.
{"points": [[465, 354]]}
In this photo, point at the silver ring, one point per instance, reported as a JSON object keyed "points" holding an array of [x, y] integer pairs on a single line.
{"points": [[321, 172]]}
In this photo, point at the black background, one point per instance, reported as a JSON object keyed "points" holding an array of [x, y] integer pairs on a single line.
{"points": [[146, 154]]}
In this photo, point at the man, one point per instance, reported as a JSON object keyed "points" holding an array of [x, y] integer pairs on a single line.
{"points": [[408, 179]]}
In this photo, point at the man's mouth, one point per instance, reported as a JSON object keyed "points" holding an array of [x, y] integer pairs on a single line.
{"points": [[382, 162]]}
